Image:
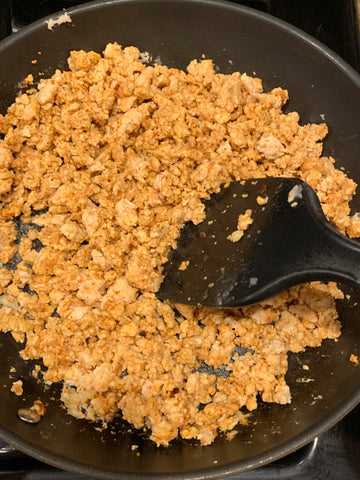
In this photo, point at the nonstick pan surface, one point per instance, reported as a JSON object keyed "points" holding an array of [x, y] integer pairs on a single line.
{"points": [[320, 84]]}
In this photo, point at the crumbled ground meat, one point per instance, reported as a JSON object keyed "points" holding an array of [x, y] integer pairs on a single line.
{"points": [[17, 388], [104, 163], [354, 359], [244, 222]]}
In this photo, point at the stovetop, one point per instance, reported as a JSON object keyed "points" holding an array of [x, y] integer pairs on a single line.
{"points": [[334, 455]]}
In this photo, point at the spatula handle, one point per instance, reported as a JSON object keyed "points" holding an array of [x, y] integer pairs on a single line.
{"points": [[329, 255]]}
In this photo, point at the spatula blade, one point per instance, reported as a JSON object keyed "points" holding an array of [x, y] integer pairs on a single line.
{"points": [[211, 267]]}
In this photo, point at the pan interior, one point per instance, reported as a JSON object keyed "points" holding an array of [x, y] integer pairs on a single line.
{"points": [[320, 84]]}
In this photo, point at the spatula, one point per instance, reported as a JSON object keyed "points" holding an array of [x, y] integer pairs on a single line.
{"points": [[289, 242]]}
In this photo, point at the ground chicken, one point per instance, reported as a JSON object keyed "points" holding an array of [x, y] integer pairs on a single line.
{"points": [[244, 222], [101, 167]]}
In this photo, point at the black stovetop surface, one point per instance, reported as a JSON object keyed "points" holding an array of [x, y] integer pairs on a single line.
{"points": [[335, 454]]}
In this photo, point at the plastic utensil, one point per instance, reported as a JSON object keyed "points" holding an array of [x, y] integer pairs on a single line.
{"points": [[289, 242]]}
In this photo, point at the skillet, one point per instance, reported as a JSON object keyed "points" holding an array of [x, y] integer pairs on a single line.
{"points": [[320, 83]]}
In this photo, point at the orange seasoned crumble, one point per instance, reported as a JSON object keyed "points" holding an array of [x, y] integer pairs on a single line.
{"points": [[17, 388], [243, 223], [104, 164], [354, 359]]}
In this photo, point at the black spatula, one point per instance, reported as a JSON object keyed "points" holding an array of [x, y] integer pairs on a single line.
{"points": [[289, 242]]}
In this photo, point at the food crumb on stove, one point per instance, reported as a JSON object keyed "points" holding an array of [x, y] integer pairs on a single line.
{"points": [[17, 388], [184, 265], [354, 359], [34, 61], [12, 370], [61, 19], [306, 367], [134, 447]]}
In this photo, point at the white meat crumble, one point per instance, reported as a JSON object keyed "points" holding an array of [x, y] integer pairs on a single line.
{"points": [[244, 222], [104, 163]]}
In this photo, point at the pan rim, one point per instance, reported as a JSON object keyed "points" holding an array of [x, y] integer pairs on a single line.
{"points": [[211, 473], [275, 453], [332, 56]]}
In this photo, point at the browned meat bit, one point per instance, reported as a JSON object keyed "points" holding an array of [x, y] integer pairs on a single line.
{"points": [[354, 359], [244, 222], [17, 388]]}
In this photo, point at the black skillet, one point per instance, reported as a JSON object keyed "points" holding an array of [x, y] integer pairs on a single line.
{"points": [[320, 83]]}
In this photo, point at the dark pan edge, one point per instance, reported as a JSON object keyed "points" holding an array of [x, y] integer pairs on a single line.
{"points": [[210, 474], [332, 56]]}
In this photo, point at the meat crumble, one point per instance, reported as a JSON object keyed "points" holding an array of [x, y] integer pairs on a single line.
{"points": [[244, 222], [101, 166]]}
